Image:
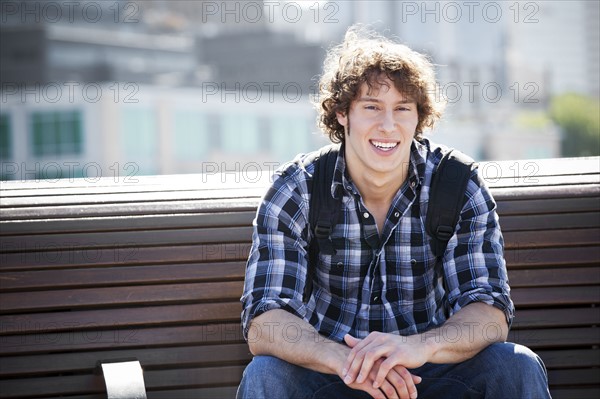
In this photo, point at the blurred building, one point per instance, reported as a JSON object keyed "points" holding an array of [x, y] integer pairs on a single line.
{"points": [[146, 130], [174, 86], [262, 58], [89, 53]]}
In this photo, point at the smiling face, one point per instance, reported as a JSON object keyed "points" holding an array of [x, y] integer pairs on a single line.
{"points": [[380, 126]]}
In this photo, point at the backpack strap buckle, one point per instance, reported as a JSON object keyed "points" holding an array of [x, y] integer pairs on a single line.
{"points": [[444, 232], [322, 230]]}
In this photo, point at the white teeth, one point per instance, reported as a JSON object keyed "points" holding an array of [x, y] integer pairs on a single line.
{"points": [[384, 146]]}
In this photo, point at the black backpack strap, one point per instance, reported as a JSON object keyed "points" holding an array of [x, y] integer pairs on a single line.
{"points": [[447, 198], [323, 212]]}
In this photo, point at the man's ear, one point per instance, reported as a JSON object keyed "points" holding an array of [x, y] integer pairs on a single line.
{"points": [[342, 118]]}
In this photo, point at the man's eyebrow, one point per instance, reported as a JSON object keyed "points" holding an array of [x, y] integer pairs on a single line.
{"points": [[376, 100]]}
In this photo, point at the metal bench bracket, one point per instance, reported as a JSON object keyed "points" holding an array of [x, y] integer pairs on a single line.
{"points": [[123, 379]]}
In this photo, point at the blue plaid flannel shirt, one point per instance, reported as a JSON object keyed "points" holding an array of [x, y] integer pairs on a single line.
{"points": [[390, 282]]}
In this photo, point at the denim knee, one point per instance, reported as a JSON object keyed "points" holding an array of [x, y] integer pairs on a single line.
{"points": [[523, 361], [515, 368], [270, 377], [261, 376]]}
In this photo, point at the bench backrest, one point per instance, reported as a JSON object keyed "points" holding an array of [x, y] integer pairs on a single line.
{"points": [[153, 270]]}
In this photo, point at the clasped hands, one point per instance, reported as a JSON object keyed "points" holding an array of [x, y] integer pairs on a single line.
{"points": [[378, 365]]}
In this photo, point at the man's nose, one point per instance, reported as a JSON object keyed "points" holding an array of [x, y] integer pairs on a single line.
{"points": [[387, 123]]}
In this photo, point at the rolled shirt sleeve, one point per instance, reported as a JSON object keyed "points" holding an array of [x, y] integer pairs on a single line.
{"points": [[474, 265], [277, 265]]}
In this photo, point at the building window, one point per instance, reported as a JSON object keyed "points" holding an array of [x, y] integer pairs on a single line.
{"points": [[192, 141], [240, 134], [56, 133], [5, 138], [140, 139], [289, 136]]}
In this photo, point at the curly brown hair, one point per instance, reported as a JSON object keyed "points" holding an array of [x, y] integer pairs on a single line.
{"points": [[367, 57]]}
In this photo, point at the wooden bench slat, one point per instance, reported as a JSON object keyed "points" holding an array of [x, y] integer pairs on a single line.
{"points": [[574, 377], [192, 393], [171, 357], [539, 180], [91, 224], [553, 205], [136, 209], [199, 353], [215, 201], [214, 355], [196, 181], [547, 318], [124, 256], [556, 337], [210, 377], [193, 377], [123, 338], [548, 257], [550, 222], [133, 317], [62, 188], [539, 296], [200, 393], [121, 296], [545, 192], [133, 337], [55, 385], [120, 275], [163, 236], [142, 199], [573, 358], [554, 277], [551, 238], [578, 393], [210, 355], [516, 258], [89, 383], [117, 239]]}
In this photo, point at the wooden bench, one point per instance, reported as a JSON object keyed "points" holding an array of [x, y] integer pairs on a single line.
{"points": [[153, 270]]}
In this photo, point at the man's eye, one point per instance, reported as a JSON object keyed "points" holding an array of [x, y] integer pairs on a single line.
{"points": [[373, 107]]}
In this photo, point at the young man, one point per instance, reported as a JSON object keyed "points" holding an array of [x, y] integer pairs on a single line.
{"points": [[385, 318]]}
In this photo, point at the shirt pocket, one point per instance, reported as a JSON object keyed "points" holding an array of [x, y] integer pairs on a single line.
{"points": [[412, 270], [341, 274]]}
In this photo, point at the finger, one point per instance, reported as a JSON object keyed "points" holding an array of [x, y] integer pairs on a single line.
{"points": [[399, 384], [351, 342], [408, 381], [384, 369], [375, 393], [389, 390], [354, 359], [369, 356]]}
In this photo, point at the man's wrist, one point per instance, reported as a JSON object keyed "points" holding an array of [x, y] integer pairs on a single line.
{"points": [[334, 356], [431, 345]]}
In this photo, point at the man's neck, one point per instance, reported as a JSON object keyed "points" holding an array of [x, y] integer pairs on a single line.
{"points": [[378, 189]]}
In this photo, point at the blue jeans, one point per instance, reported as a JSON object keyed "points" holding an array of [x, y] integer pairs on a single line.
{"points": [[502, 370]]}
